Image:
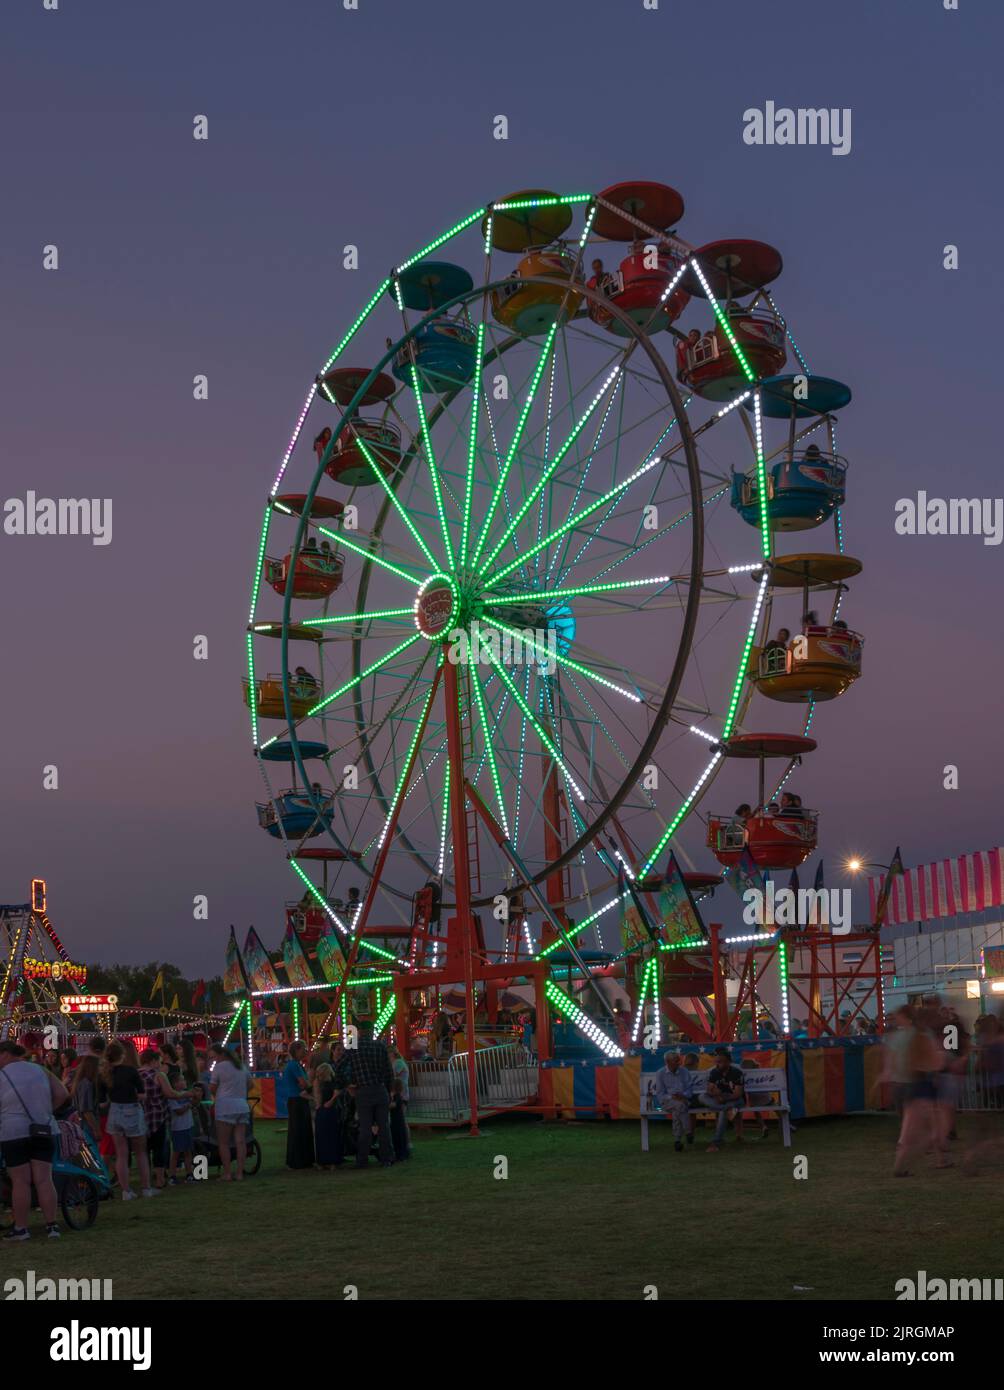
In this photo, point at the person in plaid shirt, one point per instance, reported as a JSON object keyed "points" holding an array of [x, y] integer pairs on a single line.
{"points": [[366, 1070]]}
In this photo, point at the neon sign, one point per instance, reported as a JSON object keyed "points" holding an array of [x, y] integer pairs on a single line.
{"points": [[89, 1004], [54, 970]]}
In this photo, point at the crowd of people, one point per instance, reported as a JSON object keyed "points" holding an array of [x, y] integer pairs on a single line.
{"points": [[347, 1102], [928, 1055], [155, 1110]]}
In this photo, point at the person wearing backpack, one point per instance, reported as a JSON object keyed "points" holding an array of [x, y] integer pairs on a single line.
{"points": [[28, 1096]]}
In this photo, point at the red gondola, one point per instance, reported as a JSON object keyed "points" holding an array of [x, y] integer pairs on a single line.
{"points": [[316, 574], [378, 439], [342, 383], [639, 288], [774, 841], [711, 366]]}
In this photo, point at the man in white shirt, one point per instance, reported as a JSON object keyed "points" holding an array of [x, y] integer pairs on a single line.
{"points": [[672, 1093]]}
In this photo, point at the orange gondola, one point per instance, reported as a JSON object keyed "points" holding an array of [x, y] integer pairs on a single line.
{"points": [[304, 693]]}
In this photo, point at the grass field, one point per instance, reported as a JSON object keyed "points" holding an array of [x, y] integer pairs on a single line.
{"points": [[583, 1214]]}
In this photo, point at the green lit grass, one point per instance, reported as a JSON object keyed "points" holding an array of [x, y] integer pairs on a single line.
{"points": [[583, 1214]]}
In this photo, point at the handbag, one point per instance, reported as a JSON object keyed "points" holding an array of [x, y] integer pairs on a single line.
{"points": [[35, 1130]]}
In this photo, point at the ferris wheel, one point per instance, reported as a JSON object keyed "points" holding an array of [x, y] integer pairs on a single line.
{"points": [[517, 567]]}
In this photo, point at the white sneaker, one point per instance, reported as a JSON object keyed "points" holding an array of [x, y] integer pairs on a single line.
{"points": [[128, 1195], [151, 1192]]}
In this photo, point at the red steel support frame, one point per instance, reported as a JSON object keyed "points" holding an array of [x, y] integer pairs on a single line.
{"points": [[388, 837], [461, 866]]}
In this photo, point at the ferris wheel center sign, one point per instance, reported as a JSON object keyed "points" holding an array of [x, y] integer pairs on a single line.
{"points": [[436, 606]]}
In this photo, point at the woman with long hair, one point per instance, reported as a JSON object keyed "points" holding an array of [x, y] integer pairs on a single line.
{"points": [[126, 1121], [84, 1093], [157, 1092], [230, 1083], [329, 1116]]}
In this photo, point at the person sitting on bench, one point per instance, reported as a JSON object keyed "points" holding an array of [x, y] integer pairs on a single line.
{"points": [[723, 1093], [670, 1090]]}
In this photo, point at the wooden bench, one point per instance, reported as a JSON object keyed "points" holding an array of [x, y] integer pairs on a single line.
{"points": [[770, 1081]]}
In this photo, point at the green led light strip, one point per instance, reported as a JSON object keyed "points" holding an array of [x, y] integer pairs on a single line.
{"points": [[361, 676], [575, 521], [480, 701], [430, 459], [378, 473], [726, 327], [537, 728], [543, 202], [252, 694], [514, 446], [472, 443], [566, 661], [364, 314], [435, 245], [761, 474], [668, 833], [580, 1019], [549, 471], [361, 617], [384, 1016], [341, 539]]}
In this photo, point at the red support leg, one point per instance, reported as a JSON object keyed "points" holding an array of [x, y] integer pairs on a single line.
{"points": [[461, 867]]}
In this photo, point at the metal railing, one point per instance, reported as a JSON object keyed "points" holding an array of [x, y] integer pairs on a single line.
{"points": [[977, 1092], [506, 1077]]}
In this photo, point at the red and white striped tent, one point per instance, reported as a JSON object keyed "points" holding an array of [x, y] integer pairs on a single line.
{"points": [[946, 888]]}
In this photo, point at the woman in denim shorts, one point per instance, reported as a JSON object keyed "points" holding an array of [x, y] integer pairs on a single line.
{"points": [[126, 1121]]}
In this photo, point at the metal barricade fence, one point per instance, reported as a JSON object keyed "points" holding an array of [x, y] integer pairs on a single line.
{"points": [[506, 1077], [977, 1091]]}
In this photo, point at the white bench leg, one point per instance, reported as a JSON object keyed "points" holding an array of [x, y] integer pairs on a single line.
{"points": [[644, 1134]]}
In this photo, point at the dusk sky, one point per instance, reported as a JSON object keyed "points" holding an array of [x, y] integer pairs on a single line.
{"points": [[223, 257]]}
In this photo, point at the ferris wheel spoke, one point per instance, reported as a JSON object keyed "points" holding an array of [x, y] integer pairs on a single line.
{"points": [[544, 650], [552, 467], [430, 459], [574, 522], [472, 442], [534, 723], [340, 538], [356, 680], [384, 482], [511, 452]]}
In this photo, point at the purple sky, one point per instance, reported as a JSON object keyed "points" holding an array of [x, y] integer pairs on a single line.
{"points": [[326, 127]]}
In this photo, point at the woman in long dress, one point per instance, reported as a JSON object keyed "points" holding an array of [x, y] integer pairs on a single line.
{"points": [[329, 1126]]}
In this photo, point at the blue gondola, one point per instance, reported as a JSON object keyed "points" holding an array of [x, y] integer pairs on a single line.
{"points": [[444, 355], [802, 492], [294, 812]]}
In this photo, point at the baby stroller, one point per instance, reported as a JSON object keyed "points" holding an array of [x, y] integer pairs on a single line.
{"points": [[81, 1182], [206, 1146]]}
